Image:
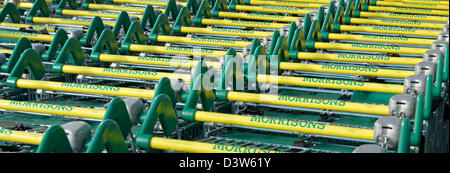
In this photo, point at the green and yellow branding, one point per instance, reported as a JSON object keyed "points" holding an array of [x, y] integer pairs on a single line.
{"points": [[41, 106], [242, 22], [20, 34], [132, 72], [407, 15], [301, 123], [333, 81], [363, 57], [349, 68], [280, 8], [311, 100], [212, 40], [395, 29], [264, 15], [373, 46], [233, 30], [5, 132], [411, 22], [419, 4], [169, 60], [91, 87], [412, 9], [238, 149], [383, 37], [184, 49]]}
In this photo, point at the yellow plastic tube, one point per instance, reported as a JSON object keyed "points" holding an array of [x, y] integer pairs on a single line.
{"points": [[294, 101], [338, 69], [390, 30], [21, 137], [371, 48], [124, 73], [242, 23], [381, 39], [409, 10], [285, 125], [200, 147], [331, 83], [202, 41], [85, 88], [53, 109], [398, 23], [418, 17], [225, 31], [359, 58]]}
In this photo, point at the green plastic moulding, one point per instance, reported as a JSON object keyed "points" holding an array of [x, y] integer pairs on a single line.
{"points": [[161, 27], [148, 18], [257, 59], [437, 87], [162, 110], [59, 39], [122, 24], [446, 65], [107, 136], [117, 111], [314, 35], [349, 11], [338, 18], [10, 10], [233, 71], [164, 87], [298, 41], [219, 5], [357, 8], [275, 36], [106, 40], [328, 24], [403, 144], [171, 9], [42, 7], [183, 19], [135, 34], [280, 51], [64, 3], [95, 28], [199, 69], [85, 3], [197, 93], [29, 59], [204, 11], [54, 141], [416, 135], [71, 53], [428, 98], [21, 45]]}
